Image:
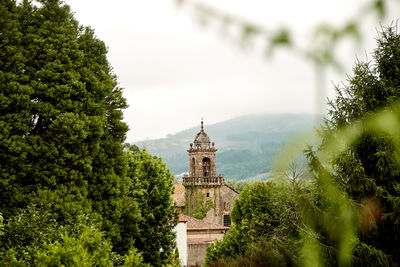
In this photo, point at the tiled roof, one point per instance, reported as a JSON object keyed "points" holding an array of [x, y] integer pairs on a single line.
{"points": [[181, 218], [196, 224], [179, 193]]}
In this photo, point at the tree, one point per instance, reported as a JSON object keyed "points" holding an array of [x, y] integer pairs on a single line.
{"points": [[62, 156], [264, 218], [89, 249], [61, 122], [363, 121], [151, 186]]}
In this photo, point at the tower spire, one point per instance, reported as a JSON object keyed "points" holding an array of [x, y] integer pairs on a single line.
{"points": [[202, 127]]}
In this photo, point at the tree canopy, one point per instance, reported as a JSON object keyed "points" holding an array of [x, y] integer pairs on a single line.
{"points": [[62, 159], [348, 214], [368, 169], [263, 215]]}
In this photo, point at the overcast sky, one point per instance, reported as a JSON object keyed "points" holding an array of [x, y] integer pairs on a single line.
{"points": [[175, 71]]}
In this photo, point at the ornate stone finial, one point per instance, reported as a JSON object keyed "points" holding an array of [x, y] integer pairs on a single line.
{"points": [[191, 145], [202, 127]]}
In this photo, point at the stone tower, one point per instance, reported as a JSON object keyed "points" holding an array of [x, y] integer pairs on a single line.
{"points": [[202, 180], [202, 157]]}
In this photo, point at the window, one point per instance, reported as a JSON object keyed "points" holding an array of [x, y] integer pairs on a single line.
{"points": [[227, 220], [206, 166], [208, 194]]}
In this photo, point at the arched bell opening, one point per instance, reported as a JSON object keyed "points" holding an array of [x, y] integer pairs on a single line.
{"points": [[206, 166]]}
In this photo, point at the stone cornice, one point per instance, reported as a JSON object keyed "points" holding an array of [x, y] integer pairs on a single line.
{"points": [[202, 150]]}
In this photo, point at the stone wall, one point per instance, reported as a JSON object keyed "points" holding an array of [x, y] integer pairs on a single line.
{"points": [[214, 194], [222, 197], [227, 198], [197, 253], [212, 234], [197, 169]]}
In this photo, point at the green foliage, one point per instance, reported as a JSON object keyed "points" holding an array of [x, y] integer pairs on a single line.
{"points": [[329, 220], [352, 214], [151, 186], [89, 249], [61, 118], [196, 204], [203, 206], [64, 191], [263, 211], [34, 238], [134, 259], [262, 253], [27, 232], [234, 243], [322, 50]]}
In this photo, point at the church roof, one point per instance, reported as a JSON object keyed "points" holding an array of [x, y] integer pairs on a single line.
{"points": [[179, 193], [196, 224], [202, 140]]}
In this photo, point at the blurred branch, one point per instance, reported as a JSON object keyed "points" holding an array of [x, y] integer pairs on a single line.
{"points": [[321, 50], [322, 47]]}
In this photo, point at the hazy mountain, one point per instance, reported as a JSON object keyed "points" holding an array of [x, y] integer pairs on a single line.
{"points": [[246, 145]]}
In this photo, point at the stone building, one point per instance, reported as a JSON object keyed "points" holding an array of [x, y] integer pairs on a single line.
{"points": [[200, 234], [204, 182], [202, 185]]}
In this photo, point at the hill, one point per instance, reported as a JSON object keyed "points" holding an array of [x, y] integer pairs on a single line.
{"points": [[246, 145]]}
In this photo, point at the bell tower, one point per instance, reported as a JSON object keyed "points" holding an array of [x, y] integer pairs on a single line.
{"points": [[202, 181], [202, 156]]}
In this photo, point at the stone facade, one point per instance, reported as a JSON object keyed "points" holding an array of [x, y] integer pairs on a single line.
{"points": [[197, 253], [201, 234], [203, 182], [203, 179]]}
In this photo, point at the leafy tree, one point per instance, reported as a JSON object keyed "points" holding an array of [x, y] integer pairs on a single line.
{"points": [[61, 122], [263, 211], [28, 232], [151, 186], [34, 237], [87, 250], [61, 151], [262, 253]]}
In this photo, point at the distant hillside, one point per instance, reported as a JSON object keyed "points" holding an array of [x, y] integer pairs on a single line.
{"points": [[246, 145]]}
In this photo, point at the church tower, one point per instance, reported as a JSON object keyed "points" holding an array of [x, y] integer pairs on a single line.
{"points": [[202, 182], [202, 157], [202, 162]]}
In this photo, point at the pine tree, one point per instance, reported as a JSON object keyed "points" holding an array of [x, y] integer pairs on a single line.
{"points": [[368, 170]]}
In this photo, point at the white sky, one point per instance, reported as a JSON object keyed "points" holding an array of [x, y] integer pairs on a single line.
{"points": [[175, 71]]}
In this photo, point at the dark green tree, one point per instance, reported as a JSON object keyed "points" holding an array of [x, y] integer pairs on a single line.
{"points": [[368, 169], [152, 186], [61, 128]]}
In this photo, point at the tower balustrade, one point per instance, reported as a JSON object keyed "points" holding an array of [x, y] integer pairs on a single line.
{"points": [[202, 180]]}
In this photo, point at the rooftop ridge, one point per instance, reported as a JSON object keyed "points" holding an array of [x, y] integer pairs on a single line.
{"points": [[197, 224]]}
